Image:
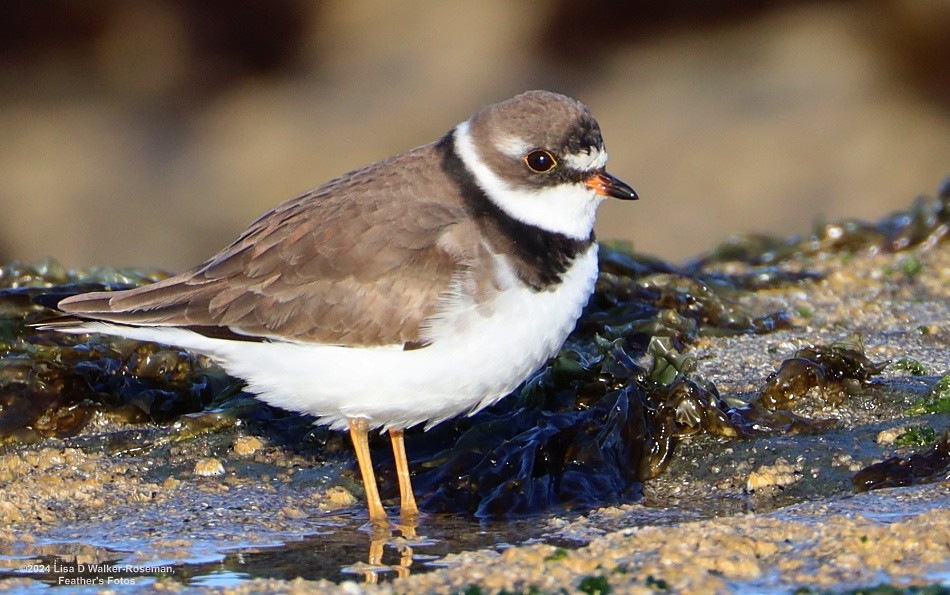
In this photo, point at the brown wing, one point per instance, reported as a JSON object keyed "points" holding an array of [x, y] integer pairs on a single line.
{"points": [[356, 262]]}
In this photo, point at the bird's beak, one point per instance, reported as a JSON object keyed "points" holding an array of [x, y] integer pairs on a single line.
{"points": [[605, 184]]}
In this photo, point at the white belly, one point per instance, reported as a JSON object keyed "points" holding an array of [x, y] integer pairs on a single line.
{"points": [[460, 372]]}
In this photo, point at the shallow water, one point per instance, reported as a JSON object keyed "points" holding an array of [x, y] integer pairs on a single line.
{"points": [[347, 548]]}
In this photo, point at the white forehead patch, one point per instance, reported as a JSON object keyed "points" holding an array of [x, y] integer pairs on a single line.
{"points": [[568, 208], [586, 161]]}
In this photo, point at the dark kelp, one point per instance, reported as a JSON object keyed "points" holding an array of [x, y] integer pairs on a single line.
{"points": [[52, 384], [927, 466]]}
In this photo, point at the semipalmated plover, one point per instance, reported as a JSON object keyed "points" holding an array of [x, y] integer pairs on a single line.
{"points": [[413, 290]]}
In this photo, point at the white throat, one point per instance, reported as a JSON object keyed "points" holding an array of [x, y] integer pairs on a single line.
{"points": [[568, 209]]}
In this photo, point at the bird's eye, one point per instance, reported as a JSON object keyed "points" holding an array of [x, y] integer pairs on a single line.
{"points": [[540, 161]]}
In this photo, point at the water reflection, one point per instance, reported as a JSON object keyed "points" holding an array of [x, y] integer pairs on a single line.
{"points": [[358, 550], [402, 538]]}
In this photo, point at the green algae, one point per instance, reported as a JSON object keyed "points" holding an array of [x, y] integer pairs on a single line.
{"points": [[938, 401], [594, 585], [910, 365], [916, 437]]}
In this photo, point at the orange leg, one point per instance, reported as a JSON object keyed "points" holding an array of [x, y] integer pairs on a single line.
{"points": [[407, 499], [359, 429]]}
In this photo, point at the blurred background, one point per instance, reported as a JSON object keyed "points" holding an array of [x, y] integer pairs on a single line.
{"points": [[150, 133]]}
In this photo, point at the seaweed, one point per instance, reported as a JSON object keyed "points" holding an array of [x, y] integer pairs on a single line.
{"points": [[925, 223], [53, 384], [928, 466], [836, 371]]}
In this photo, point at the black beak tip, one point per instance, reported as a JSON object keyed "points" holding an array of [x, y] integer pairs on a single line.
{"points": [[620, 189], [627, 193]]}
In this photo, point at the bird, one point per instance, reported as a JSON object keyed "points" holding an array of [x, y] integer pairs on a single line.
{"points": [[422, 287]]}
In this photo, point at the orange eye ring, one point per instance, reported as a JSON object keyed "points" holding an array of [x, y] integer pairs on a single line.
{"points": [[540, 161]]}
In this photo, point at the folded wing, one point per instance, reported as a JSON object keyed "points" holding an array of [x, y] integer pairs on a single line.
{"points": [[321, 268]]}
